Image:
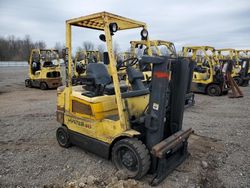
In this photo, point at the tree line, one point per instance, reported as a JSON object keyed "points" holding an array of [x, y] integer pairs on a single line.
{"points": [[16, 49]]}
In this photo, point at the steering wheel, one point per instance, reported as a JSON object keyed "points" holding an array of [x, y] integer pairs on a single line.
{"points": [[80, 67], [127, 63]]}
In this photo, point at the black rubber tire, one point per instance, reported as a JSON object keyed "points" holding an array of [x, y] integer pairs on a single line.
{"points": [[62, 137], [245, 83], [43, 86], [28, 83], [214, 90], [238, 80], [135, 150]]}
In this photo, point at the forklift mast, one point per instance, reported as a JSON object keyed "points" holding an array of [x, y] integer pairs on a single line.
{"points": [[163, 120]]}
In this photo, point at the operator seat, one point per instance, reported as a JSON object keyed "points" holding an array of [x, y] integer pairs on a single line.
{"points": [[97, 81]]}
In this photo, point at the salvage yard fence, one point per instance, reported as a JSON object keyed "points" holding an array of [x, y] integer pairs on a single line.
{"points": [[13, 63], [19, 63]]}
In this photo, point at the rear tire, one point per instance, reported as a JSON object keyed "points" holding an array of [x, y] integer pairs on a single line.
{"points": [[62, 137], [43, 86], [213, 90], [131, 156], [28, 83]]}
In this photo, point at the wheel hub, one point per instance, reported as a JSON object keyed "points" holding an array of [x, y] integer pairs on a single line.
{"points": [[62, 137], [213, 90], [128, 159]]}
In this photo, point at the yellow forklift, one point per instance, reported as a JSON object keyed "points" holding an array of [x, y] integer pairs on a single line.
{"points": [[81, 60], [150, 48], [156, 47], [243, 61], [139, 129], [44, 69], [224, 54], [208, 77]]}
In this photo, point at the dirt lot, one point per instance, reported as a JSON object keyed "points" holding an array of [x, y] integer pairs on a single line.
{"points": [[31, 157]]}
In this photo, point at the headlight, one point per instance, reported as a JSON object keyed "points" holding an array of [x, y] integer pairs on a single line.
{"points": [[113, 27], [144, 34]]}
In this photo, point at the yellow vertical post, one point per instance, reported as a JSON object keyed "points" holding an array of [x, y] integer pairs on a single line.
{"points": [[156, 44], [30, 61], [68, 45], [113, 71], [132, 49]]}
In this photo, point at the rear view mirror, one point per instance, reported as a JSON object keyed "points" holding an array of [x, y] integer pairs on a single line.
{"points": [[102, 37]]}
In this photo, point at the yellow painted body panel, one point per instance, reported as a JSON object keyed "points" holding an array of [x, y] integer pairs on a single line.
{"points": [[42, 74], [104, 130], [137, 105], [97, 125], [197, 77]]}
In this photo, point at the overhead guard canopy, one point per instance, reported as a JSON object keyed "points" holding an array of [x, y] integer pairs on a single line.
{"points": [[96, 21]]}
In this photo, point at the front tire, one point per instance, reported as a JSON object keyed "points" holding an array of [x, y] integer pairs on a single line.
{"points": [[62, 137], [213, 90], [131, 156]]}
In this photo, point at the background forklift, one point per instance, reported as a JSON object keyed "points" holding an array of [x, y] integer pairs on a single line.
{"points": [[140, 130], [224, 54], [207, 77], [44, 69], [81, 60], [243, 59], [168, 48]]}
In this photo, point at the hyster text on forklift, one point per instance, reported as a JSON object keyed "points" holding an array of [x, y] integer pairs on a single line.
{"points": [[139, 129]]}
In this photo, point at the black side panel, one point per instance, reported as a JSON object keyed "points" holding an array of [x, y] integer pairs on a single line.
{"points": [[92, 145], [190, 75], [198, 87], [244, 70], [179, 82]]}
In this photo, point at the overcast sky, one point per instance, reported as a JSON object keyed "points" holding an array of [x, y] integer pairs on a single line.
{"points": [[218, 23]]}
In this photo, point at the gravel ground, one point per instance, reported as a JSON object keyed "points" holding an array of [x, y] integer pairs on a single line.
{"points": [[31, 157]]}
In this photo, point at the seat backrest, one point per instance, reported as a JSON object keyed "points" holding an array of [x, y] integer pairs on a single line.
{"points": [[135, 78], [99, 73]]}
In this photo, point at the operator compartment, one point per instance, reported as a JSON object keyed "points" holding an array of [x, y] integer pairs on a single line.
{"points": [[95, 99]]}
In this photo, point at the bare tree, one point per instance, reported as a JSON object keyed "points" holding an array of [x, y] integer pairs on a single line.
{"points": [[101, 49], [88, 46], [116, 49], [59, 46], [15, 49]]}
